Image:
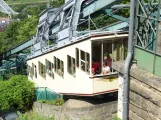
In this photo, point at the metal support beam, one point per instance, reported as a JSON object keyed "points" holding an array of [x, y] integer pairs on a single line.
{"points": [[5, 8], [111, 14]]}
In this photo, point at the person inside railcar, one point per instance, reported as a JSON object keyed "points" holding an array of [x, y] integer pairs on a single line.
{"points": [[108, 60], [106, 68], [95, 67]]}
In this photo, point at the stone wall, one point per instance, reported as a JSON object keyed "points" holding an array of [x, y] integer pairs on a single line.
{"points": [[103, 111], [145, 94]]}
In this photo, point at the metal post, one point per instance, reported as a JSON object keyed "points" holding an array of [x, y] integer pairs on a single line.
{"points": [[91, 60], [45, 93], [127, 63], [89, 23], [102, 56], [112, 52]]}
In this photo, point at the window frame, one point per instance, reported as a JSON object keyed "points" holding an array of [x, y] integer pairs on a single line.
{"points": [[49, 72], [58, 66], [77, 58], [86, 67], [71, 60], [42, 69]]}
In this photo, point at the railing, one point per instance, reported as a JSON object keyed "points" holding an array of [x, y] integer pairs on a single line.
{"points": [[147, 52], [44, 93]]}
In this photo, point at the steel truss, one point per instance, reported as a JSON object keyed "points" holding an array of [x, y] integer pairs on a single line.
{"points": [[147, 24], [6, 9]]}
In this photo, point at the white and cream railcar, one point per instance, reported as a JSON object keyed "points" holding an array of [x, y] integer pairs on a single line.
{"points": [[68, 70]]}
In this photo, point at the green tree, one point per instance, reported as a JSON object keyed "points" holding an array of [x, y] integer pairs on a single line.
{"points": [[27, 28], [16, 93], [57, 3], [20, 31]]}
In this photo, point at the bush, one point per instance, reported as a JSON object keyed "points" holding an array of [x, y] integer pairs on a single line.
{"points": [[16, 93], [57, 102]]}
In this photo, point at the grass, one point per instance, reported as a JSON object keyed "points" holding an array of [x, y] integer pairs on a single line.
{"points": [[57, 102], [16, 2], [115, 117], [31, 115]]}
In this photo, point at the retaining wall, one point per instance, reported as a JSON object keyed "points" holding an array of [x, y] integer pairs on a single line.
{"points": [[103, 111], [145, 93]]}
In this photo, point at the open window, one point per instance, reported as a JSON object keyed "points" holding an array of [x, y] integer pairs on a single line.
{"points": [[42, 71], [35, 71], [62, 68], [119, 50], [59, 66], [83, 60], [87, 63], [29, 71], [96, 58], [49, 68], [55, 64], [32, 69], [71, 65], [105, 52], [77, 57]]}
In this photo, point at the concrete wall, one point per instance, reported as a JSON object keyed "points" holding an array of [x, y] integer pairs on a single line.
{"points": [[145, 94], [103, 111]]}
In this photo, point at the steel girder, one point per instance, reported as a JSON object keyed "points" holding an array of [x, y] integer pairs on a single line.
{"points": [[5, 8], [147, 23]]}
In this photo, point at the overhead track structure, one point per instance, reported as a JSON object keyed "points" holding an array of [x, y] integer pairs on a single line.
{"points": [[4, 8], [61, 25], [14, 60]]}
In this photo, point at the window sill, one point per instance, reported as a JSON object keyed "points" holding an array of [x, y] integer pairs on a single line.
{"points": [[114, 74]]}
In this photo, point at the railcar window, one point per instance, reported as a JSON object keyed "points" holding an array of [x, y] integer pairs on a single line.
{"points": [[59, 66], [84, 61], [77, 57], [71, 65], [55, 64], [49, 68], [62, 68], [42, 71], [32, 69], [87, 63], [35, 71]]}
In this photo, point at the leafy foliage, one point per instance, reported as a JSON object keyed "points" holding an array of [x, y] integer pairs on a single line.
{"points": [[19, 31], [57, 3], [3, 14], [16, 93], [115, 117], [57, 102]]}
